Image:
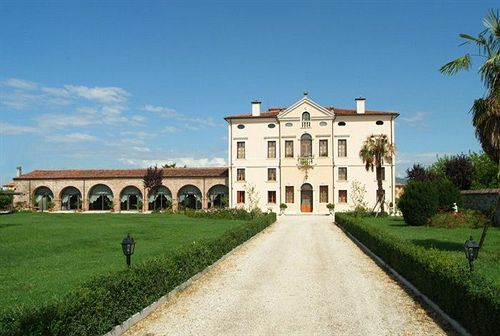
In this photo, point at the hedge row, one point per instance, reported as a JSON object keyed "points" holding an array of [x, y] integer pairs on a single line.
{"points": [[100, 304], [234, 213], [469, 298]]}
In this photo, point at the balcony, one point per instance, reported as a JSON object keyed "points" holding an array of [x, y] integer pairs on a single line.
{"points": [[305, 161], [306, 124]]}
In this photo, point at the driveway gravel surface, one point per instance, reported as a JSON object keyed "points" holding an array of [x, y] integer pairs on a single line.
{"points": [[301, 276]]}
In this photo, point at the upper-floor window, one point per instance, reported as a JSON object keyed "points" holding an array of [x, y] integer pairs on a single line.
{"points": [[342, 173], [342, 150], [288, 148], [323, 148], [240, 174], [240, 150], [306, 120], [271, 149], [306, 145], [241, 126], [271, 174]]}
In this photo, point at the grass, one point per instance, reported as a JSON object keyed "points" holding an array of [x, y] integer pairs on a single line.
{"points": [[44, 255], [448, 241]]}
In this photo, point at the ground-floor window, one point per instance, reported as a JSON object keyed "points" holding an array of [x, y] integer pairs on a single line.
{"points": [[342, 196], [323, 194], [131, 199], [271, 197], [101, 198], [160, 198], [240, 197], [289, 194], [71, 199]]}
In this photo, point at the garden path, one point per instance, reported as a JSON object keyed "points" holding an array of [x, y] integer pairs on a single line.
{"points": [[301, 276]]}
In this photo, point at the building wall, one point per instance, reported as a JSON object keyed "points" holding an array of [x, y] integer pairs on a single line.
{"points": [[323, 126], [483, 200], [28, 187]]}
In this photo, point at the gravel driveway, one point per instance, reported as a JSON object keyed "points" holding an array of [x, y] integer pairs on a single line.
{"points": [[302, 276]]}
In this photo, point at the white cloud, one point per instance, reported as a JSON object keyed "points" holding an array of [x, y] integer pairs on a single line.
{"points": [[104, 95], [65, 120], [416, 119], [160, 110], [138, 118], [10, 129], [141, 149], [17, 83], [170, 129], [72, 137], [192, 127], [180, 161]]}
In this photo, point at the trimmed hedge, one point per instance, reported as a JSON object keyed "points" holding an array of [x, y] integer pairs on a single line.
{"points": [[100, 304], [469, 298]]}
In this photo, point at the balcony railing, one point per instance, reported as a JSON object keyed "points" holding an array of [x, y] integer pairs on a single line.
{"points": [[305, 161], [306, 124]]}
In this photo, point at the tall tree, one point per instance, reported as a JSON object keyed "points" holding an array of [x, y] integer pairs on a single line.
{"points": [[375, 151], [460, 170], [485, 111], [153, 178]]}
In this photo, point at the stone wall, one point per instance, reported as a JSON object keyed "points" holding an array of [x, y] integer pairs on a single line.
{"points": [[483, 200]]}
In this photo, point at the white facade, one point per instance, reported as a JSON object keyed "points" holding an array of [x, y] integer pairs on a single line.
{"points": [[313, 164]]}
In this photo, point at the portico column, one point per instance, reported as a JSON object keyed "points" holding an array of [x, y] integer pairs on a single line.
{"points": [[175, 204], [204, 203]]}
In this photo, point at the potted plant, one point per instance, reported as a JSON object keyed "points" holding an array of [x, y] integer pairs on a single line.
{"points": [[140, 204], [283, 206], [51, 205], [111, 206], [331, 208]]}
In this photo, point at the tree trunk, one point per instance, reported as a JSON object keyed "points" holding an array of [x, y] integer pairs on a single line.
{"points": [[380, 197]]}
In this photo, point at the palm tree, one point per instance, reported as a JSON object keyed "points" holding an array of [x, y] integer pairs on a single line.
{"points": [[375, 150], [485, 111]]}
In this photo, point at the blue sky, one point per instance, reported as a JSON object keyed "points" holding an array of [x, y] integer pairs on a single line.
{"points": [[130, 84]]}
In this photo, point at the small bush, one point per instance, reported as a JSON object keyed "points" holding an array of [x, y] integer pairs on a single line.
{"points": [[5, 201], [464, 218], [419, 202], [447, 193], [467, 297]]}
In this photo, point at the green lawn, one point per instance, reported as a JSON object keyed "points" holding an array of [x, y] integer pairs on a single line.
{"points": [[43, 255], [448, 241]]}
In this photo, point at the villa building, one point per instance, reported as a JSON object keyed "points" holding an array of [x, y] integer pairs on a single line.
{"points": [[305, 156]]}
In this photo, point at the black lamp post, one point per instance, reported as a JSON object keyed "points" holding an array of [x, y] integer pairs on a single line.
{"points": [[471, 249], [128, 246]]}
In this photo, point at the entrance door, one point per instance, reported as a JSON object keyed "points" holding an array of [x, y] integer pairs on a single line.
{"points": [[306, 198]]}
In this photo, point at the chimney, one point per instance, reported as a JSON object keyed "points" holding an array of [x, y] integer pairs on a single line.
{"points": [[360, 105], [256, 108], [19, 171]]}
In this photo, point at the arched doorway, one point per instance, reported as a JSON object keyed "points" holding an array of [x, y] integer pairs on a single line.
{"points": [[189, 196], [306, 198], [71, 199], [130, 199], [217, 196], [100, 197], [160, 198], [43, 197]]}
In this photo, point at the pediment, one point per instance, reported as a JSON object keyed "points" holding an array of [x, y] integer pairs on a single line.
{"points": [[305, 105]]}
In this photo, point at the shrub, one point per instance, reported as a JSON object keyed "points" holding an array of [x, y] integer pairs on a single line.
{"points": [[459, 169], [447, 194], [98, 305], [235, 213], [467, 297], [464, 218], [418, 203], [5, 201]]}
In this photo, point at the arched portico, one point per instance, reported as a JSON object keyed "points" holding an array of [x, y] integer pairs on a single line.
{"points": [[190, 196], [160, 198], [130, 199], [217, 195], [42, 197], [71, 198], [100, 198]]}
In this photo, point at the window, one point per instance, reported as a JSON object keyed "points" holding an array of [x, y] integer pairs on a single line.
{"points": [[341, 123], [240, 196], [323, 148], [288, 125], [379, 122], [306, 120], [241, 126], [271, 149], [240, 174], [323, 123], [271, 125], [323, 194], [240, 147], [381, 173], [342, 173], [271, 174], [306, 145], [289, 195], [289, 149], [271, 197], [342, 148], [342, 196]]}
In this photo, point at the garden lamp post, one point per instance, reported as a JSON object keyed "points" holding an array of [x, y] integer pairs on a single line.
{"points": [[471, 249], [128, 246]]}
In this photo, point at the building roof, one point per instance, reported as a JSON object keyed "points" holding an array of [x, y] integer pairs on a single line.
{"points": [[10, 184], [121, 173], [273, 113]]}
